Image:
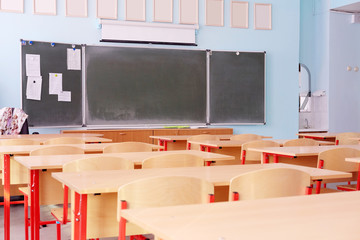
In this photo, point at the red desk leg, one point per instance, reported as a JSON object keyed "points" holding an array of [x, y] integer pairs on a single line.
{"points": [[35, 205], [80, 216], [162, 143], [276, 158], [265, 158], [6, 197], [358, 180]]}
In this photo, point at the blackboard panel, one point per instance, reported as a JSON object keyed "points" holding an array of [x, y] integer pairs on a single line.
{"points": [[127, 86], [49, 111], [237, 87]]}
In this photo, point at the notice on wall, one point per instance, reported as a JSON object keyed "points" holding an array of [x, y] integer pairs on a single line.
{"points": [[55, 83], [64, 96], [32, 65], [73, 59], [33, 88]]}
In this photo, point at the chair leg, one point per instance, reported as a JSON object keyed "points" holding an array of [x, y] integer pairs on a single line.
{"points": [[58, 230], [26, 216]]}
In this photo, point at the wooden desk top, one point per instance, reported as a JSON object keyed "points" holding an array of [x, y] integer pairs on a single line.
{"points": [[318, 135], [48, 136], [57, 161], [89, 148], [185, 137], [110, 181], [87, 139], [300, 151], [238, 143], [323, 217]]}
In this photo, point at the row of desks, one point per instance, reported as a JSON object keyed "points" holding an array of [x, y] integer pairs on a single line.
{"points": [[95, 148], [88, 183], [25, 150]]}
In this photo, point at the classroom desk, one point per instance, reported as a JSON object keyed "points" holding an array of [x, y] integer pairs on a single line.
{"points": [[25, 150], [317, 136], [323, 217], [55, 162], [355, 160], [305, 155], [85, 183], [48, 136], [230, 147], [181, 140], [87, 139]]}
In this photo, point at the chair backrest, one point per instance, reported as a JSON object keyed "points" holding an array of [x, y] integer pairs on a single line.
{"points": [[164, 191], [64, 140], [57, 150], [247, 155], [173, 160], [344, 138], [334, 159], [301, 142], [270, 183], [8, 142], [98, 163], [200, 137], [246, 137], [128, 147]]}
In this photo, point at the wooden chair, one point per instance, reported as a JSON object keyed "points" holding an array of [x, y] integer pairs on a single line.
{"points": [[92, 164], [246, 137], [192, 146], [64, 140], [173, 160], [255, 157], [159, 192], [301, 142], [128, 147], [54, 194], [16, 167], [334, 159], [344, 138], [269, 183]]}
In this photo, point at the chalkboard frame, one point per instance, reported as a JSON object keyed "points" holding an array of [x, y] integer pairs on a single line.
{"points": [[82, 108]]}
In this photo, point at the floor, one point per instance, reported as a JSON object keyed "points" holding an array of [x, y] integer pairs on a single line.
{"points": [[17, 231]]}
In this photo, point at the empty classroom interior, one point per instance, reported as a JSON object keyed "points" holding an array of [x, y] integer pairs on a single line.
{"points": [[319, 36]]}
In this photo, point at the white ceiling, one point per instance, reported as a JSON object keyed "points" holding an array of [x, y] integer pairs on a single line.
{"points": [[351, 8]]}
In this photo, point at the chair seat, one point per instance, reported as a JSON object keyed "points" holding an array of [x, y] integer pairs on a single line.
{"points": [[58, 214], [350, 187]]}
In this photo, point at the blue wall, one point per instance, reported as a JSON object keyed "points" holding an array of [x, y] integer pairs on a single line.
{"points": [[281, 45], [344, 101], [340, 3]]}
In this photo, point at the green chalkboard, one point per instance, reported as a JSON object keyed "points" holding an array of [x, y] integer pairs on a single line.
{"points": [[237, 87], [49, 111], [129, 86]]}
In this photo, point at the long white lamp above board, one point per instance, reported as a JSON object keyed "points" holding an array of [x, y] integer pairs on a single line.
{"points": [[143, 32]]}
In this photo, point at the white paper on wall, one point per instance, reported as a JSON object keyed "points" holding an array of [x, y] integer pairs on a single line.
{"points": [[64, 96], [55, 83], [33, 88], [32, 65], [73, 59]]}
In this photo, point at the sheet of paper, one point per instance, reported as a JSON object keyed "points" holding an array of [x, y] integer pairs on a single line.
{"points": [[73, 59], [55, 83], [64, 96], [32, 65], [33, 88]]}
